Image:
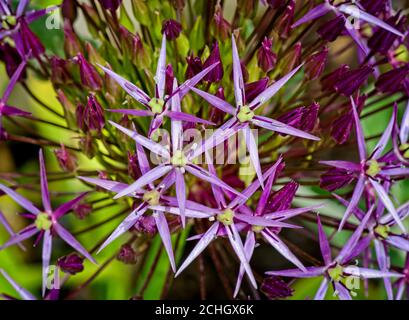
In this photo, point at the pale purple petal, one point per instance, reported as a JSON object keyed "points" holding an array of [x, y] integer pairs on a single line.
{"points": [[190, 83], [322, 290], [9, 229], [142, 159], [68, 238], [160, 77], [263, 222], [383, 196], [191, 213], [238, 248], [46, 256], [163, 230], [181, 116], [45, 193], [204, 241], [66, 207], [355, 12], [340, 164], [238, 82], [176, 124], [125, 225], [22, 5], [26, 204], [282, 248], [253, 151], [359, 132], [341, 291], [249, 246], [383, 263], [370, 273], [216, 101], [355, 35], [286, 214], [398, 242], [310, 272], [24, 294], [324, 244], [145, 179], [277, 126], [272, 90], [401, 290], [314, 13], [147, 143], [133, 112], [36, 14], [395, 172], [129, 87], [109, 185], [24, 234], [217, 191], [383, 141], [181, 194], [13, 80], [404, 128], [267, 190]]}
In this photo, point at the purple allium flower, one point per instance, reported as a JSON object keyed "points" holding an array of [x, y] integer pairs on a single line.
{"points": [[171, 28], [45, 224], [214, 59], [71, 263], [110, 4], [266, 58]]}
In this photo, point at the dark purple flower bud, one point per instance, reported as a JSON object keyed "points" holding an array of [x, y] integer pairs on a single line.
{"points": [[72, 45], [335, 179], [87, 144], [69, 108], [333, 28], [374, 7], [79, 114], [69, 10], [194, 66], [217, 73], [275, 288], [66, 160], [382, 40], [89, 76], [291, 59], [341, 128], [266, 58], [59, 71], [170, 76], [90, 117], [391, 81], [127, 254], [216, 115], [253, 89], [146, 224], [315, 64], [285, 21], [29, 41], [171, 28], [328, 82], [11, 58], [71, 264], [133, 166], [292, 118], [132, 44], [309, 117], [352, 80], [222, 26], [82, 210], [110, 4], [281, 199], [276, 4]]}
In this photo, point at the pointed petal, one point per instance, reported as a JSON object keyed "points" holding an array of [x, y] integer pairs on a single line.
{"points": [[176, 125], [340, 164], [383, 196], [370, 273], [310, 272], [9, 229], [238, 248], [66, 207], [280, 127], [359, 132], [45, 193], [69, 239], [145, 179], [282, 249], [249, 246], [181, 195], [22, 5], [216, 101], [356, 196], [147, 143], [160, 77], [324, 244], [191, 213], [133, 112], [261, 221], [46, 256], [341, 291], [13, 111], [383, 141], [13, 80], [24, 234], [253, 151], [398, 242], [355, 12], [24, 294], [26, 204], [36, 14], [217, 192], [129, 87], [273, 89], [185, 87], [181, 116], [164, 233], [109, 185], [404, 128], [383, 263], [322, 290], [239, 92], [125, 225], [286, 214], [204, 241], [314, 13], [356, 36]]}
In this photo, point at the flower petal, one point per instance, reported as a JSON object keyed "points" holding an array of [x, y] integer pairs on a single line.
{"points": [[160, 77], [46, 256], [239, 92], [45, 193], [253, 151], [310, 272], [383, 141], [322, 290], [26, 204], [181, 194], [249, 246], [66, 207], [324, 244], [359, 132], [24, 294], [314, 13], [109, 185], [216, 101], [163, 230], [341, 291]]}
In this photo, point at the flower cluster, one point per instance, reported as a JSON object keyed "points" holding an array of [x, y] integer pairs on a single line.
{"points": [[243, 133]]}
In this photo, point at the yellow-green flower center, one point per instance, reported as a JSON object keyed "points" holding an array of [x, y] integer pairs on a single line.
{"points": [[7, 21], [373, 168], [245, 114], [226, 217], [382, 230], [257, 229], [156, 105], [179, 159], [43, 221], [405, 149], [152, 197], [335, 273]]}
